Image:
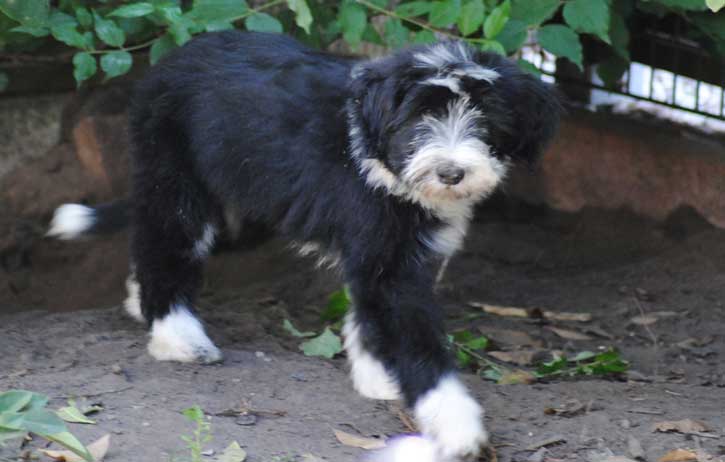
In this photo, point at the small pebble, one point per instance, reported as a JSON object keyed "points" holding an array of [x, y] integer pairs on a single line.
{"points": [[625, 423], [246, 420], [208, 452], [116, 369]]}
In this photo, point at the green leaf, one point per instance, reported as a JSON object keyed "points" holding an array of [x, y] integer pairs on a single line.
{"points": [[445, 13], [33, 13], [584, 356], [338, 304], [611, 71], [326, 345], [233, 453], [84, 17], [4, 82], [39, 31], [619, 35], [396, 34], [561, 41], [534, 12], [218, 10], [194, 413], [67, 440], [424, 37], [64, 28], [134, 10], [589, 16], [6, 435], [42, 422], [73, 415], [496, 21], [477, 343], [463, 358], [513, 35], [262, 22], [162, 46], [84, 67], [471, 18], [303, 16], [493, 46], [353, 19], [215, 26], [13, 400], [116, 63], [292, 330], [529, 67], [715, 5], [371, 35], [178, 23], [108, 31], [413, 9]]}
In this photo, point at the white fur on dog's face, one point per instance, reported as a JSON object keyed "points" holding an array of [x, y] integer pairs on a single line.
{"points": [[455, 139]]}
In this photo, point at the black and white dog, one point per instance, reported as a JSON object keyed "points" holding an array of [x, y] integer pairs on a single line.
{"points": [[375, 165]]}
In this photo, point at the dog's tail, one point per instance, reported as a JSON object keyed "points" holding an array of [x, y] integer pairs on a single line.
{"points": [[74, 221]]}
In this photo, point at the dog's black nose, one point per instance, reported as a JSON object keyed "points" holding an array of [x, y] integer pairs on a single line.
{"points": [[450, 175]]}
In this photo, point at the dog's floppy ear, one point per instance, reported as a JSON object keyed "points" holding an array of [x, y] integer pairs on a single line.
{"points": [[372, 107], [536, 108]]}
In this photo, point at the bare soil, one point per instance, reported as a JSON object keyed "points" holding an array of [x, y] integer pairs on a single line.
{"points": [[611, 264]]}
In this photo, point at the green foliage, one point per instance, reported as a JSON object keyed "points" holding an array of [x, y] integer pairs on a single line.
{"points": [[584, 363], [326, 345], [201, 434], [23, 412], [107, 35]]}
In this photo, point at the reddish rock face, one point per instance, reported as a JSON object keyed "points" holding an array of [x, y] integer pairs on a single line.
{"points": [[611, 162]]}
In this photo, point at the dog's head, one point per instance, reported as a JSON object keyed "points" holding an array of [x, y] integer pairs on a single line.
{"points": [[441, 124]]}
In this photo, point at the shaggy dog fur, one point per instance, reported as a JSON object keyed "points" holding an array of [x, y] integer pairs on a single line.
{"points": [[374, 165]]}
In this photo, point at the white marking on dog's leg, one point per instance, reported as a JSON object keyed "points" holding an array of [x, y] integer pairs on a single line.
{"points": [[369, 376], [452, 419], [406, 449], [203, 246], [132, 304], [71, 221], [179, 336], [441, 272]]}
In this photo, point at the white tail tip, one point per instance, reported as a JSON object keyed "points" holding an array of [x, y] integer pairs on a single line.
{"points": [[71, 221]]}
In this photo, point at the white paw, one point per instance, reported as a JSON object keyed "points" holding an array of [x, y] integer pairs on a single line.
{"points": [[369, 376], [180, 337], [406, 449], [132, 304], [452, 419]]}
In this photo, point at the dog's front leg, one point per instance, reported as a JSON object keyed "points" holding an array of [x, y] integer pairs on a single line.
{"points": [[397, 348]]}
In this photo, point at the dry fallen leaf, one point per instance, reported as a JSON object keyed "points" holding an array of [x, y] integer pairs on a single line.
{"points": [[515, 312], [569, 409], [311, 458], [565, 316], [509, 337], [568, 334], [358, 441], [678, 455], [520, 357], [644, 320], [97, 449], [518, 376], [508, 311], [681, 426]]}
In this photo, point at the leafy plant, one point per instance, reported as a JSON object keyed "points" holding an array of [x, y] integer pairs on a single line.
{"points": [[107, 37], [23, 412], [584, 363], [201, 434]]}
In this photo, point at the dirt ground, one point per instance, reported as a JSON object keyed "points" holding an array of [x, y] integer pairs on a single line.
{"points": [[610, 264]]}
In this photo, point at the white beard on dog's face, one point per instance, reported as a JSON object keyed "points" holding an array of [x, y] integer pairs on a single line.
{"points": [[454, 142]]}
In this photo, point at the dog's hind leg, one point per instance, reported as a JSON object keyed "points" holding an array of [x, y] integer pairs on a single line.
{"points": [[174, 230]]}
